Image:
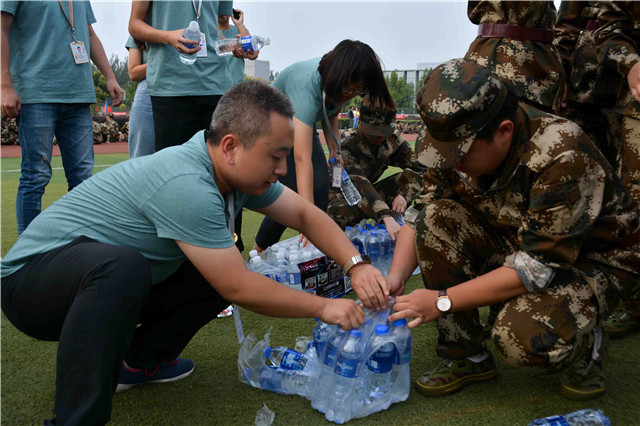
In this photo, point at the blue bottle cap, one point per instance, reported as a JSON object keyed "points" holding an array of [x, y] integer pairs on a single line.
{"points": [[356, 333], [381, 329], [400, 322]]}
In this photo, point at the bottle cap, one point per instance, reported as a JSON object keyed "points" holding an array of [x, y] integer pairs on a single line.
{"points": [[381, 329], [400, 322], [355, 332]]}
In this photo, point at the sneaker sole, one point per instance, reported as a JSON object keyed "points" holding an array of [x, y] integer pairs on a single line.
{"points": [[579, 395], [454, 386], [123, 387]]}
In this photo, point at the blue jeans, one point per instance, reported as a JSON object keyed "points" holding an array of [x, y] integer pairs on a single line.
{"points": [[37, 124], [142, 136]]}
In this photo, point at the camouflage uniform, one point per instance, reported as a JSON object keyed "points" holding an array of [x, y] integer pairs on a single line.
{"points": [[111, 131], [591, 87], [555, 212], [366, 162], [532, 67], [618, 40], [9, 131], [98, 136]]}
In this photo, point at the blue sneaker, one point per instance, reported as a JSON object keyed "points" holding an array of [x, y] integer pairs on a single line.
{"points": [[165, 371]]}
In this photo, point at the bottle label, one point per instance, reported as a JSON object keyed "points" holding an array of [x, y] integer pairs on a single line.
{"points": [[345, 176], [347, 367], [557, 420], [292, 360], [331, 355], [381, 362], [245, 43]]}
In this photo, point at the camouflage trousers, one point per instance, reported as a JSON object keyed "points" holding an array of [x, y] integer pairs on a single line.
{"points": [[629, 157], [345, 215], [549, 329]]}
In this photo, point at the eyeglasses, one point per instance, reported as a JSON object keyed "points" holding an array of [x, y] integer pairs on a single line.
{"points": [[354, 91]]}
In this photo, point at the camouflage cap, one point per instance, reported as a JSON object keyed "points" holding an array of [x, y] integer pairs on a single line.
{"points": [[375, 119], [458, 99]]}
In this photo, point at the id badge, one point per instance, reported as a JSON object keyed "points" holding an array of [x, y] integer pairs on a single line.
{"points": [[79, 52], [203, 46], [336, 174]]}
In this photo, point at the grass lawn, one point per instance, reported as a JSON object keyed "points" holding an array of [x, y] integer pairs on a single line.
{"points": [[213, 394]]}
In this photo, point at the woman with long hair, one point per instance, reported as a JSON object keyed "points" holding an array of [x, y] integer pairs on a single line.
{"points": [[317, 87]]}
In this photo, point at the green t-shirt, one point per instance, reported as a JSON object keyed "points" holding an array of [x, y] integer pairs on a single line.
{"points": [[42, 66], [131, 44], [302, 83], [235, 66], [166, 75], [145, 203]]}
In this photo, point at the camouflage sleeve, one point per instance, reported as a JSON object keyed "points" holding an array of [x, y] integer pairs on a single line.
{"points": [[436, 185], [534, 275], [410, 181], [564, 202], [375, 205], [616, 44], [567, 29]]}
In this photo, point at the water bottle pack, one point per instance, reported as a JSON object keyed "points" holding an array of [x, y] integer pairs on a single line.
{"points": [[306, 269], [345, 374], [374, 241]]}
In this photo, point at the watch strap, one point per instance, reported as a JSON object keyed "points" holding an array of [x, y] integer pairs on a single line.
{"points": [[354, 261]]}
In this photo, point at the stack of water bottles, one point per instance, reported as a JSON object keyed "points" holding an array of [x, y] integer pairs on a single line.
{"points": [[345, 374], [374, 241]]}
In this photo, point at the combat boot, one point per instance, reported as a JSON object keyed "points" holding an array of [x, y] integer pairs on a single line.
{"points": [[623, 320], [585, 379], [453, 374]]}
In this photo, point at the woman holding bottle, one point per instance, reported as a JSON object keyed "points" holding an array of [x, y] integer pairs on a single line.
{"points": [[317, 89]]}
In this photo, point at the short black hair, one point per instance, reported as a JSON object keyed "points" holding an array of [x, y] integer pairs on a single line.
{"points": [[507, 112], [245, 110], [353, 61]]}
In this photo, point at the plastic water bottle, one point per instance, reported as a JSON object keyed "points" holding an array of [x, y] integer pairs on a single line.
{"points": [[400, 374], [345, 379], [328, 357], [295, 277], [349, 190], [289, 382], [374, 248], [386, 250], [357, 241], [191, 33], [225, 46], [281, 269], [320, 335], [586, 417], [378, 381], [286, 358]]}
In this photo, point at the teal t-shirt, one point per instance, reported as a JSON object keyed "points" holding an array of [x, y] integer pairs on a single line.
{"points": [[42, 66], [166, 75], [302, 83], [146, 204], [131, 44], [235, 66]]}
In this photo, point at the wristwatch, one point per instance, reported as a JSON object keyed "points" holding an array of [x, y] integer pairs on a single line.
{"points": [[443, 303], [354, 261]]}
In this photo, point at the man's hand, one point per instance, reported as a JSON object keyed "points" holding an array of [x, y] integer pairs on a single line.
{"points": [[369, 285], [419, 304], [115, 91], [393, 228], [345, 313], [11, 103], [399, 204], [634, 81], [396, 283], [177, 40]]}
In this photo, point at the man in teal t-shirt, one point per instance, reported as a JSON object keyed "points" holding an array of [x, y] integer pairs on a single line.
{"points": [[47, 84], [127, 267]]}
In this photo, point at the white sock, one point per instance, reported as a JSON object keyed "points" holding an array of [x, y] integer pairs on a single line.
{"points": [[480, 357]]}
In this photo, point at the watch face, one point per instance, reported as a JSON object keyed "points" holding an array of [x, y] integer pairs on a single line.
{"points": [[443, 304]]}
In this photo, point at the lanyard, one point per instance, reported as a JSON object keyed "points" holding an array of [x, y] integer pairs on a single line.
{"points": [[230, 200], [70, 19], [326, 119], [198, 10]]}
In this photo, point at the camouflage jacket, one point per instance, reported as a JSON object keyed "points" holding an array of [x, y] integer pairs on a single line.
{"points": [[365, 163], [555, 192], [588, 82], [532, 67], [618, 43]]}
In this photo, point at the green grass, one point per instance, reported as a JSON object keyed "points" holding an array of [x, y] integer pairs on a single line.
{"points": [[213, 394]]}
